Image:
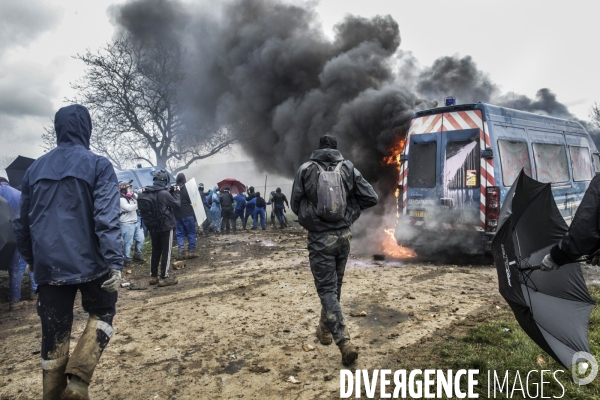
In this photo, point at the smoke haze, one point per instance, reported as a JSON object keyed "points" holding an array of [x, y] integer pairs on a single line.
{"points": [[268, 67]]}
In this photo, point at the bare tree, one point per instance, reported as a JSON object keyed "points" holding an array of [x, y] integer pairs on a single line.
{"points": [[132, 92], [595, 115]]}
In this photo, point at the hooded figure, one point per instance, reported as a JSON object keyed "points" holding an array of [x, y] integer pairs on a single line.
{"points": [[329, 241], [215, 209], [186, 221], [67, 229]]}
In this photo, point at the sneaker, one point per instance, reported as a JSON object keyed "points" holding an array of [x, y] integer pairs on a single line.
{"points": [[253, 228], [168, 281], [324, 335], [192, 254], [264, 229], [77, 389], [154, 280], [349, 352]]}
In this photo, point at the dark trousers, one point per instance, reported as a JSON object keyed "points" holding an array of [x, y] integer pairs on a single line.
{"points": [[162, 242], [249, 214], [279, 214], [226, 219], [328, 254], [238, 214], [55, 308]]}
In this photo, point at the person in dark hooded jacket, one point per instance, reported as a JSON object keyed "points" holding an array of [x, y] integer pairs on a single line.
{"points": [[329, 241], [186, 221], [583, 236], [67, 229], [162, 236]]}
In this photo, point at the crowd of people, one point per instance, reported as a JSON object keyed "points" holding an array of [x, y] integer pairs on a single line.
{"points": [[76, 225]]}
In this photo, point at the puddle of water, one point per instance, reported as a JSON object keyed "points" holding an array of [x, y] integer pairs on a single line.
{"points": [[234, 367]]}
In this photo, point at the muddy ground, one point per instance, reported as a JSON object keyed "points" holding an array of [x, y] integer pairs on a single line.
{"points": [[242, 319]]}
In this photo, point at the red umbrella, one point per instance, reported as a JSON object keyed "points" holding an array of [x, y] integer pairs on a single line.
{"points": [[234, 185]]}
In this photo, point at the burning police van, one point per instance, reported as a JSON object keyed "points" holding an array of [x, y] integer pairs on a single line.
{"points": [[459, 162]]}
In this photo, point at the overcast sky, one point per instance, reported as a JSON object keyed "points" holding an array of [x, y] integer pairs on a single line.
{"points": [[522, 45]]}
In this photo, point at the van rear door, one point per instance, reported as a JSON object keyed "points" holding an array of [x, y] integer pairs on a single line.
{"points": [[423, 176], [460, 184]]}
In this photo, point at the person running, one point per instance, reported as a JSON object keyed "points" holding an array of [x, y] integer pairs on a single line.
{"points": [[67, 229], [329, 238]]}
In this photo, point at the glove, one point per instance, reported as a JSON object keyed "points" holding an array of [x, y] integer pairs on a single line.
{"points": [[113, 281], [548, 264]]}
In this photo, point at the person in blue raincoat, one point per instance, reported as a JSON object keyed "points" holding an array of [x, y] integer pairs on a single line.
{"points": [[17, 265], [67, 228], [240, 207], [215, 209]]}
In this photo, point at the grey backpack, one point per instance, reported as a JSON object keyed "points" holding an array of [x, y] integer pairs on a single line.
{"points": [[331, 194]]}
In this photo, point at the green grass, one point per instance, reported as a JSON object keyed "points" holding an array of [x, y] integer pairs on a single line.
{"points": [[488, 347]]}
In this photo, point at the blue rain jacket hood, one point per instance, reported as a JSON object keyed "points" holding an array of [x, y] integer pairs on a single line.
{"points": [[67, 226]]}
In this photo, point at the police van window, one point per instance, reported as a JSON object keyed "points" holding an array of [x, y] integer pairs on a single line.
{"points": [[513, 157], [421, 167], [596, 163], [551, 162], [461, 169], [581, 163]]}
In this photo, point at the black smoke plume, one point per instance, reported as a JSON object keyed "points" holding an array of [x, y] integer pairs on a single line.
{"points": [[268, 68]]}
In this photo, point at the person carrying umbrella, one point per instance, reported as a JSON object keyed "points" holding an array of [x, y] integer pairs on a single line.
{"points": [[17, 265], [67, 228], [583, 236]]}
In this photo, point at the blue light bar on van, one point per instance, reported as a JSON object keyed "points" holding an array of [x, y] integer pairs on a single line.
{"points": [[450, 101]]}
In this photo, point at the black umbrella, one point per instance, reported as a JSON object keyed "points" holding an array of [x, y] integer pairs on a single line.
{"points": [[16, 170], [554, 307], [8, 244]]}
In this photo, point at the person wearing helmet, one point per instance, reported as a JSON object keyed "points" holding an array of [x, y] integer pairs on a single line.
{"points": [[162, 235], [127, 218]]}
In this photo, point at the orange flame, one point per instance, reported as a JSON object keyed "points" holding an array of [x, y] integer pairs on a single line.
{"points": [[392, 249], [394, 159]]}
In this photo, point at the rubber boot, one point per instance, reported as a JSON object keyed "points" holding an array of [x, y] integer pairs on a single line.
{"points": [[87, 352], [77, 389], [323, 334], [349, 352], [54, 382]]}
